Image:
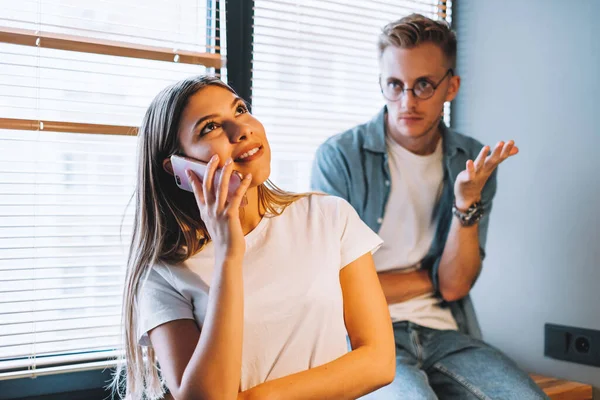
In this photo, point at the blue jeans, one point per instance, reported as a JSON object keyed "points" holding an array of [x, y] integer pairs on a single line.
{"points": [[434, 364]]}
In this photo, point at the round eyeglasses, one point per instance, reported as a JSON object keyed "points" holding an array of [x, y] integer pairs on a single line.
{"points": [[423, 89]]}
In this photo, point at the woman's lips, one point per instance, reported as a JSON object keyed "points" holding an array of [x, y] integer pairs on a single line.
{"points": [[251, 157]]}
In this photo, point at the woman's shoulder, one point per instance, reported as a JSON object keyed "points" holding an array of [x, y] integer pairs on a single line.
{"points": [[158, 274], [330, 204], [321, 206], [173, 280]]}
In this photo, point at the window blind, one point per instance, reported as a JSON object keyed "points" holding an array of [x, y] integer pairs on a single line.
{"points": [[75, 79], [315, 72]]}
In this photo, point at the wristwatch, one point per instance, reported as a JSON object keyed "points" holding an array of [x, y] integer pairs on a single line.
{"points": [[469, 217]]}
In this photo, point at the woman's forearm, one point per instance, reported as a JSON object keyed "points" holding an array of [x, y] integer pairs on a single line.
{"points": [[353, 375], [215, 367]]}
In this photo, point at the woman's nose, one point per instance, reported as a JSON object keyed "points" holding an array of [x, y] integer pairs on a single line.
{"points": [[238, 131]]}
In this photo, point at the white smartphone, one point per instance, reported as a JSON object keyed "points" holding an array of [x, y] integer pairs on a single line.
{"points": [[181, 164]]}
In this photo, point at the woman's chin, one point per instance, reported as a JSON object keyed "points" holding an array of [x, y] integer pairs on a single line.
{"points": [[260, 176]]}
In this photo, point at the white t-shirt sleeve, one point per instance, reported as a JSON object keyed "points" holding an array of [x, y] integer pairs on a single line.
{"points": [[160, 302], [356, 238]]}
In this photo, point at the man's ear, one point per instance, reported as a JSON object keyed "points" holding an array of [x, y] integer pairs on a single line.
{"points": [[453, 87], [168, 166]]}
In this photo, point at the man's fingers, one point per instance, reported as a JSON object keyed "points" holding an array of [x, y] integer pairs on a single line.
{"points": [[506, 150], [481, 157], [492, 161], [509, 150], [471, 169]]}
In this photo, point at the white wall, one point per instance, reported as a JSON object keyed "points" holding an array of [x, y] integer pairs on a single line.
{"points": [[531, 72]]}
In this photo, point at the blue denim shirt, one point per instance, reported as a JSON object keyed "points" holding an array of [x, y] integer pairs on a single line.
{"points": [[354, 165]]}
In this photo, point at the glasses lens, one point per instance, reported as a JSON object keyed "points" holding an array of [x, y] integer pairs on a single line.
{"points": [[391, 90], [423, 89]]}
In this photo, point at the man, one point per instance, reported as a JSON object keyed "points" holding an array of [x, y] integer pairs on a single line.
{"points": [[428, 192]]}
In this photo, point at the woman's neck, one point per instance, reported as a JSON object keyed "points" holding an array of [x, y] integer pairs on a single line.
{"points": [[251, 214]]}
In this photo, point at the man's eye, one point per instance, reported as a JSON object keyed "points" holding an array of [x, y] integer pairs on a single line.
{"points": [[395, 85], [423, 85]]}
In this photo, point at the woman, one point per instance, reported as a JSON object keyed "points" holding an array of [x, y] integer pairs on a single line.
{"points": [[289, 274]]}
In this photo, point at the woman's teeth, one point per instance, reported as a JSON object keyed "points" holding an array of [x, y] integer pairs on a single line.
{"points": [[249, 153]]}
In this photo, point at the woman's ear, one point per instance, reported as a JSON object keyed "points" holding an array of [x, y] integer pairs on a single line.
{"points": [[168, 166]]}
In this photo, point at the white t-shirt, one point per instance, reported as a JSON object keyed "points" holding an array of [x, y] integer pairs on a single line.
{"points": [[293, 306], [408, 228]]}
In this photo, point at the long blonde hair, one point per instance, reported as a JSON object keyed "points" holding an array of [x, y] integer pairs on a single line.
{"points": [[167, 227]]}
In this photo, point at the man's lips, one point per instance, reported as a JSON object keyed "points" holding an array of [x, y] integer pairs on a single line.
{"points": [[410, 117]]}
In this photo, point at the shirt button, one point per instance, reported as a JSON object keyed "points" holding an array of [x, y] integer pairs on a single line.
{"points": [[379, 220], [387, 183]]}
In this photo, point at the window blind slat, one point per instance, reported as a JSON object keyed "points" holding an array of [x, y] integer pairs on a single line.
{"points": [[307, 55], [65, 326], [98, 290], [64, 276], [329, 67], [61, 266], [51, 347], [91, 305], [76, 359], [60, 287], [56, 336], [63, 369], [51, 319]]}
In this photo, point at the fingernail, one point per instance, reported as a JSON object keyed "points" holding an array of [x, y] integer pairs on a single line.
{"points": [[188, 173], [214, 158], [249, 176], [229, 161]]}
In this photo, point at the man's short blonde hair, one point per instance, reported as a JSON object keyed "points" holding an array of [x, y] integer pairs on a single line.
{"points": [[416, 29]]}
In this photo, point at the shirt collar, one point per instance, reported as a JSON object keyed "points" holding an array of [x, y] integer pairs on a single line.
{"points": [[375, 138]]}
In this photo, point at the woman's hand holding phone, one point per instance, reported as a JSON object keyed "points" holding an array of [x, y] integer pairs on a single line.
{"points": [[221, 214]]}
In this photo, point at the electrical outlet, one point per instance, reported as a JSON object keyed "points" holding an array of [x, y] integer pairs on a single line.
{"points": [[568, 343]]}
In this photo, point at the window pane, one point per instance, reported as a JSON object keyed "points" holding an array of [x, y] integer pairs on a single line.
{"points": [[315, 73], [65, 211]]}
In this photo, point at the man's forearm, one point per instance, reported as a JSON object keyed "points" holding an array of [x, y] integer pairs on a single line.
{"points": [[461, 261], [401, 286]]}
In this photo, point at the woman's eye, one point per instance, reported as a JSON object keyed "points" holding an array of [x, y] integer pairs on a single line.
{"points": [[211, 126], [241, 109]]}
